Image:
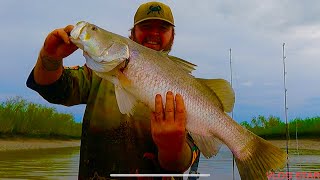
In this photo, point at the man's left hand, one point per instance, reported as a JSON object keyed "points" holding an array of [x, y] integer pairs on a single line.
{"points": [[168, 124]]}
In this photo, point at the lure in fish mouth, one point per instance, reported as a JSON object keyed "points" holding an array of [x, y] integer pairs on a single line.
{"points": [[151, 72]]}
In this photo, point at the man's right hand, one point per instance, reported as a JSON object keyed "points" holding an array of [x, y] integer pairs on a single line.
{"points": [[58, 45]]}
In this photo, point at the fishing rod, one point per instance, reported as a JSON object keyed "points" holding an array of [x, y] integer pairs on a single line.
{"points": [[285, 105], [232, 109]]}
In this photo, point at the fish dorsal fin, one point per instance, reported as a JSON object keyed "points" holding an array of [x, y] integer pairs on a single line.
{"points": [[187, 66], [208, 145], [126, 101], [223, 90]]}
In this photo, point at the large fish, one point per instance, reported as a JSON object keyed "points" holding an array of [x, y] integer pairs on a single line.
{"points": [[139, 73]]}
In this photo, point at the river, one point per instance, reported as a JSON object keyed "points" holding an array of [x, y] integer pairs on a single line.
{"points": [[63, 163]]}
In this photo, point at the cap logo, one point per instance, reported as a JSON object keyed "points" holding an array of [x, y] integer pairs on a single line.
{"points": [[154, 9]]}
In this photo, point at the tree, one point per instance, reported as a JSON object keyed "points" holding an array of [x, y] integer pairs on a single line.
{"points": [[274, 121], [246, 125]]}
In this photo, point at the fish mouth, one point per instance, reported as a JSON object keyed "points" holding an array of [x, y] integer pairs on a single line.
{"points": [[77, 30]]}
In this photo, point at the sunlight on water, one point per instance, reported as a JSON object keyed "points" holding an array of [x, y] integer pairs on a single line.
{"points": [[63, 164]]}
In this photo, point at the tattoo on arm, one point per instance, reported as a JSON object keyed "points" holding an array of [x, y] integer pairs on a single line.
{"points": [[50, 64]]}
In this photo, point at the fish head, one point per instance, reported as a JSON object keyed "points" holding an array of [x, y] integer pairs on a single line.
{"points": [[103, 50], [86, 37]]}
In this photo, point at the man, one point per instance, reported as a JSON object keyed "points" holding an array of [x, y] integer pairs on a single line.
{"points": [[113, 143]]}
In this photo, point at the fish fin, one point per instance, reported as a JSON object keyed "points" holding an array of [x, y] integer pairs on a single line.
{"points": [[208, 145], [187, 66], [259, 158], [126, 101], [123, 80], [223, 90]]}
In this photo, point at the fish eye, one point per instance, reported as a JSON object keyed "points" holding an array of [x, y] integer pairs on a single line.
{"points": [[93, 28]]}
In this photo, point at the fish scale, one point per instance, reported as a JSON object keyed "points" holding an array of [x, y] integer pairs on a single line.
{"points": [[166, 82]]}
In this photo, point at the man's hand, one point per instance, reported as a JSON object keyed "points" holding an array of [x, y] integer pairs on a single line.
{"points": [[168, 125], [168, 129], [58, 45]]}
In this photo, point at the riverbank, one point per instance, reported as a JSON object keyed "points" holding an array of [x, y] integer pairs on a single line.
{"points": [[303, 144], [12, 144], [19, 143]]}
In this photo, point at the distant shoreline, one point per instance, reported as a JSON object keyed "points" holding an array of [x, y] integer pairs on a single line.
{"points": [[22, 143]]}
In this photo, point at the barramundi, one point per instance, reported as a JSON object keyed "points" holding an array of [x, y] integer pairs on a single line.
{"points": [[139, 73]]}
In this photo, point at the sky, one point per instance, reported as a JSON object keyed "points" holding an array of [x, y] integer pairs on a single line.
{"points": [[206, 30]]}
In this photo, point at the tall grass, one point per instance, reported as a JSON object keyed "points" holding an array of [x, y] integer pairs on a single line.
{"points": [[19, 117], [273, 127]]}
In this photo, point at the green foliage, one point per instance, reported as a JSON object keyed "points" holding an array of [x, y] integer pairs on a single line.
{"points": [[245, 124], [19, 117], [273, 127]]}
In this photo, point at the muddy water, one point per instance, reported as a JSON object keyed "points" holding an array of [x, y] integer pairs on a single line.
{"points": [[63, 163]]}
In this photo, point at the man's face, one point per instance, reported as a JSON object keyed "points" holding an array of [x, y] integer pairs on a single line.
{"points": [[154, 34]]}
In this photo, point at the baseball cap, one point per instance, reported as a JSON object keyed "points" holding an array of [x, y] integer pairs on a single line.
{"points": [[153, 10]]}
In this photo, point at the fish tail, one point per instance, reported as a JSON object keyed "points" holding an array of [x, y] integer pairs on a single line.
{"points": [[258, 158]]}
